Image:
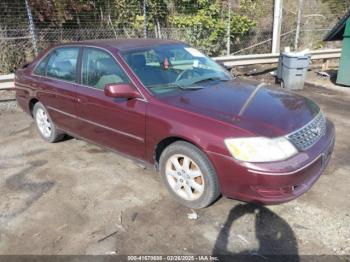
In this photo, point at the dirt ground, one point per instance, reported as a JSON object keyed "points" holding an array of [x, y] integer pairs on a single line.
{"points": [[66, 198]]}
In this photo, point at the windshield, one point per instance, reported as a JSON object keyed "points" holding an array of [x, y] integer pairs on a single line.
{"points": [[166, 67]]}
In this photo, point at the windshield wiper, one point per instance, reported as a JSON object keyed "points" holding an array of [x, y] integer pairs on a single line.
{"points": [[172, 85], [210, 79], [164, 86], [191, 87]]}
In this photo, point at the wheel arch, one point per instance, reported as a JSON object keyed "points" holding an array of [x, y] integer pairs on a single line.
{"points": [[167, 141], [31, 104]]}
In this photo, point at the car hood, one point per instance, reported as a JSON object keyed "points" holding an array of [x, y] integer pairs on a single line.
{"points": [[259, 109]]}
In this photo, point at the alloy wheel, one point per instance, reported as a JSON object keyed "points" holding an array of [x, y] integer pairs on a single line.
{"points": [[43, 122], [184, 177]]}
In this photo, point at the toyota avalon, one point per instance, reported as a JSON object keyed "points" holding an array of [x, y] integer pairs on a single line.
{"points": [[165, 103]]}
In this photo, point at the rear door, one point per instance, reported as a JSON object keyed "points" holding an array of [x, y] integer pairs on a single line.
{"points": [[116, 123], [57, 85]]}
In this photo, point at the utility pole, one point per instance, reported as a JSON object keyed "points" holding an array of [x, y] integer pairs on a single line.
{"points": [[31, 27], [145, 18], [228, 44], [297, 33], [277, 24]]}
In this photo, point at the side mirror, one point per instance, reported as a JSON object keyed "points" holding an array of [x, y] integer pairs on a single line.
{"points": [[123, 90]]}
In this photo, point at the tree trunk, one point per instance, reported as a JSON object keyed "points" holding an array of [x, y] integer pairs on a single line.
{"points": [[155, 30], [159, 31], [101, 14], [78, 19]]}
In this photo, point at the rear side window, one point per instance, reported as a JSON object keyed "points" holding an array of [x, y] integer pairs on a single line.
{"points": [[63, 63], [100, 68], [41, 67]]}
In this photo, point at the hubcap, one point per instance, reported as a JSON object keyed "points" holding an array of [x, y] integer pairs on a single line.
{"points": [[184, 177], [43, 122]]}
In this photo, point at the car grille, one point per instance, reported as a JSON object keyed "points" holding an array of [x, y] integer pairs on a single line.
{"points": [[309, 134]]}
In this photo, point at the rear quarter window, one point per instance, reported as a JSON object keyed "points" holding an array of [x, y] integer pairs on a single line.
{"points": [[41, 67]]}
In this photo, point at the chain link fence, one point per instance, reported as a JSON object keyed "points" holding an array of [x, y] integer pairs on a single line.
{"points": [[17, 46]]}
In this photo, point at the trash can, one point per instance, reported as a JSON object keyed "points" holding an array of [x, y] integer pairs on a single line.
{"points": [[292, 69], [343, 77]]}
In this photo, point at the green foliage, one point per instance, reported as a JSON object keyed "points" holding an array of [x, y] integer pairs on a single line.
{"points": [[127, 12], [204, 21], [337, 6], [208, 26], [11, 56]]}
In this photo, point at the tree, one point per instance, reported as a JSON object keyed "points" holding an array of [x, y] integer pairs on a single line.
{"points": [[337, 6], [57, 13], [157, 15], [207, 25]]}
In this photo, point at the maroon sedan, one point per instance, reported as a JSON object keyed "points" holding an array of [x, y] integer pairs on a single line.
{"points": [[165, 103]]}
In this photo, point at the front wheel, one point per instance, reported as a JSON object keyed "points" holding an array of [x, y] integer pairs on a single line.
{"points": [[188, 175]]}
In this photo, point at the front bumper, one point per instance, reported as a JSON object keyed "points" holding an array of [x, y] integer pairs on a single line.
{"points": [[275, 182]]}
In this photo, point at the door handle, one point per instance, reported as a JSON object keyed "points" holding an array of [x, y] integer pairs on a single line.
{"points": [[82, 100]]}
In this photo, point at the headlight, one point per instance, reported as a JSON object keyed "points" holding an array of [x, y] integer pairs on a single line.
{"points": [[260, 149]]}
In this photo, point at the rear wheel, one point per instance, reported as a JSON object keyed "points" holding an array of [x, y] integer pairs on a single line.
{"points": [[44, 124], [188, 175]]}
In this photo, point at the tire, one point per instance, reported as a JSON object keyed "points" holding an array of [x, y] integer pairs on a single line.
{"points": [[45, 125], [185, 179]]}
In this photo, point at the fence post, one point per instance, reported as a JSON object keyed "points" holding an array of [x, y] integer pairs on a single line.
{"points": [[31, 28], [277, 23], [297, 33], [228, 44], [144, 18]]}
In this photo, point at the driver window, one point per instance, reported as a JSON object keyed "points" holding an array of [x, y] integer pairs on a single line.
{"points": [[100, 68]]}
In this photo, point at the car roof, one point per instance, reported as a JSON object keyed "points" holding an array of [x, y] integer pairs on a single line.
{"points": [[126, 44]]}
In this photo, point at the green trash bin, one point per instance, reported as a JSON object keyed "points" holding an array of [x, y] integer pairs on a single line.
{"points": [[343, 77]]}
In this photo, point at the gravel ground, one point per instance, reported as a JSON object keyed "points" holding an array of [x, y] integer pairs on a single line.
{"points": [[65, 198], [8, 105]]}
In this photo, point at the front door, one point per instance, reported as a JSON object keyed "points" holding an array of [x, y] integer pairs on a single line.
{"points": [[116, 123]]}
